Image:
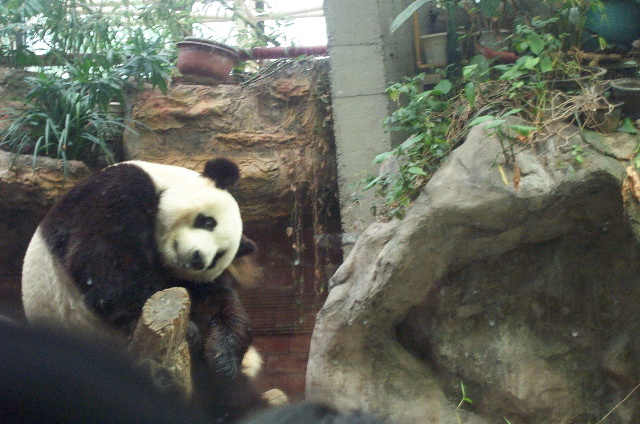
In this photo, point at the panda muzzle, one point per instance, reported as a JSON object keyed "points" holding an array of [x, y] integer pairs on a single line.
{"points": [[197, 261]]}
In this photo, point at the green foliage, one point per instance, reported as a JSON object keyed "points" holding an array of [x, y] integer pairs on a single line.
{"points": [[539, 51], [626, 126], [59, 120], [577, 151], [145, 60], [421, 114], [465, 399], [100, 49], [437, 119]]}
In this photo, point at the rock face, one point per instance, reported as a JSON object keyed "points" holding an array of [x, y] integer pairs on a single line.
{"points": [[272, 128], [26, 194], [527, 295]]}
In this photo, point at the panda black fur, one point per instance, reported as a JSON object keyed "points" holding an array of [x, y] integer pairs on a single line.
{"points": [[131, 230]]}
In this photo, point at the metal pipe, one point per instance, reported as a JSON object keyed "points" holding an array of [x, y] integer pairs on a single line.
{"points": [[283, 52]]}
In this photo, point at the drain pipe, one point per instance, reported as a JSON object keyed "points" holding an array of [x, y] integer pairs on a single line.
{"points": [[280, 52]]}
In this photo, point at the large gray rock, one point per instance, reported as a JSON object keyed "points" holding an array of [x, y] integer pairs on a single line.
{"points": [[524, 289]]}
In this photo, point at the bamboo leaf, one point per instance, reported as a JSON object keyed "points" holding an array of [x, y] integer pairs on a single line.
{"points": [[496, 123], [416, 170], [481, 119], [406, 14], [381, 157]]}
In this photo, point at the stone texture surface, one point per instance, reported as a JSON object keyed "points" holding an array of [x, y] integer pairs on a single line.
{"points": [[526, 293], [274, 128], [26, 194]]}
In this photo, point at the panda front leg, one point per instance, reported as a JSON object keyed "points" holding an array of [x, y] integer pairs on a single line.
{"points": [[228, 338], [224, 332]]}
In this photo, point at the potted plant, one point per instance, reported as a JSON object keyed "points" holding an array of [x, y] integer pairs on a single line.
{"points": [[206, 58]]}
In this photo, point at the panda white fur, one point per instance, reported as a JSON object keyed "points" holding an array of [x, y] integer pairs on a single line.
{"points": [[136, 228]]}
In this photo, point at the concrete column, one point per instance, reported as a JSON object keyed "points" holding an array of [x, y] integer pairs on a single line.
{"points": [[365, 58]]}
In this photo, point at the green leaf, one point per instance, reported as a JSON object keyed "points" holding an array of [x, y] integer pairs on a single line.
{"points": [[496, 123], [443, 87], [469, 71], [470, 93], [489, 8], [546, 65], [410, 142], [480, 120], [626, 126], [531, 63], [536, 43], [374, 181], [382, 157], [512, 112], [523, 129], [512, 73], [406, 14], [416, 170]]}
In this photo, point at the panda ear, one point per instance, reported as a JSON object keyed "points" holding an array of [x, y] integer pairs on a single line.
{"points": [[222, 171], [247, 246]]}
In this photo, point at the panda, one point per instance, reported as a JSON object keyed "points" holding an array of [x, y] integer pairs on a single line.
{"points": [[136, 228]]}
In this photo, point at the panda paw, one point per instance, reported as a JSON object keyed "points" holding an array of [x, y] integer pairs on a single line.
{"points": [[223, 359]]}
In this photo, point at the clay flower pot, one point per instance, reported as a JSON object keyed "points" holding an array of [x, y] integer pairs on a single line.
{"points": [[206, 58]]}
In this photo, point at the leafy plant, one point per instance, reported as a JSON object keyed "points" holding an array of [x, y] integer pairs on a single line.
{"points": [[59, 120], [421, 114], [145, 60], [465, 399]]}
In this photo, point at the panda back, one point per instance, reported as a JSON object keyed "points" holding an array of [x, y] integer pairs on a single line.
{"points": [[94, 257]]}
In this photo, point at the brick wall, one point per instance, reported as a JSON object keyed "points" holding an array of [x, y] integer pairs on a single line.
{"points": [[285, 363]]}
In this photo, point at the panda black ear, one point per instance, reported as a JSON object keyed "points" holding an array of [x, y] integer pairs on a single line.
{"points": [[247, 246], [222, 171]]}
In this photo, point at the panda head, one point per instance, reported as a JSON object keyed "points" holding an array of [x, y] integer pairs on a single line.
{"points": [[198, 226]]}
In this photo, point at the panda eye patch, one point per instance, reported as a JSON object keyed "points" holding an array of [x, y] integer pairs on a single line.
{"points": [[205, 222]]}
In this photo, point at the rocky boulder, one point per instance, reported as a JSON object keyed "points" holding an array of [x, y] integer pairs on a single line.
{"points": [[518, 279]]}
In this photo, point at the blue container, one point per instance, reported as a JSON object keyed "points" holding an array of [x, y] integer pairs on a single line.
{"points": [[617, 23]]}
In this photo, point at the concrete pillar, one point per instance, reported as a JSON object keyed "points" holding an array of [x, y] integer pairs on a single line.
{"points": [[365, 58]]}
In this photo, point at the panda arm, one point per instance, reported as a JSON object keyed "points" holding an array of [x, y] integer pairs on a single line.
{"points": [[225, 325], [103, 233], [116, 280]]}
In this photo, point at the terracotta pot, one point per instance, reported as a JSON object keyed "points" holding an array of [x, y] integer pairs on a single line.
{"points": [[206, 58]]}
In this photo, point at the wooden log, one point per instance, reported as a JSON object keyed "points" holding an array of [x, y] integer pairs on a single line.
{"points": [[160, 338]]}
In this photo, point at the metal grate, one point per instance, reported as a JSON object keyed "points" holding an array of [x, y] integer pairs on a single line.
{"points": [[282, 310]]}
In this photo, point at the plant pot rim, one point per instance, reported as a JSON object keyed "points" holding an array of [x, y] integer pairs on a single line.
{"points": [[627, 84], [207, 44]]}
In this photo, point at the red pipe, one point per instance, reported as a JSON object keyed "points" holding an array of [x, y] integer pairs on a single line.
{"points": [[282, 52]]}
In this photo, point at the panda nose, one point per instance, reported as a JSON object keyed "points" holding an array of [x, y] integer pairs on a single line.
{"points": [[197, 262]]}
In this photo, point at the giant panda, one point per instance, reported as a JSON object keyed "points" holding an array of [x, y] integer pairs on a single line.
{"points": [[131, 230]]}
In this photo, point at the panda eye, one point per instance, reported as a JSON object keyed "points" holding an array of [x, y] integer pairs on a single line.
{"points": [[205, 222]]}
